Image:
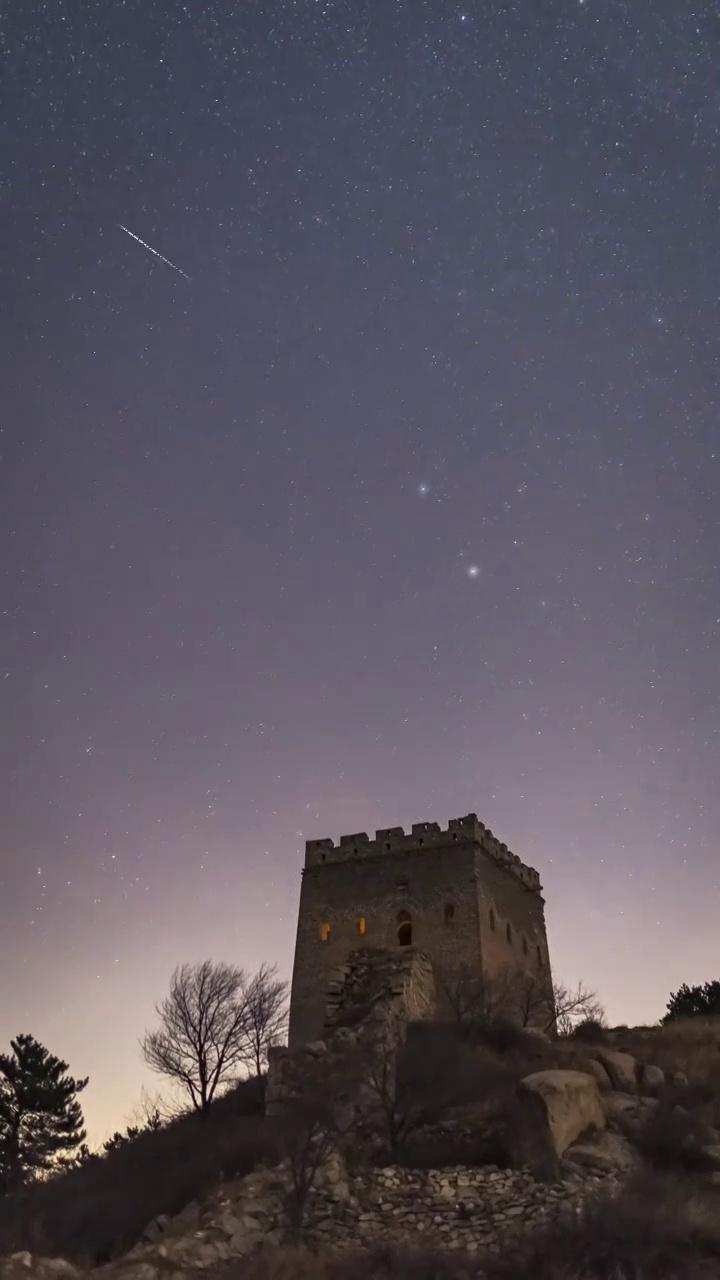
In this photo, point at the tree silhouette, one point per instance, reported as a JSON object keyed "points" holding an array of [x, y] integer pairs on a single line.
{"points": [[133, 1131], [691, 1002], [40, 1117], [525, 996], [202, 1039], [265, 997]]}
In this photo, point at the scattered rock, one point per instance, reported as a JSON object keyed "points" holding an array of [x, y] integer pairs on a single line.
{"points": [[591, 1067], [652, 1079], [604, 1152], [627, 1112]]}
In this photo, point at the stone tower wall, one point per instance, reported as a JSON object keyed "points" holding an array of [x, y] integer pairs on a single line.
{"points": [[448, 881], [523, 910], [376, 890]]}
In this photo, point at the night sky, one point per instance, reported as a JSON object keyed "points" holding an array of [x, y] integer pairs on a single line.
{"points": [[404, 504]]}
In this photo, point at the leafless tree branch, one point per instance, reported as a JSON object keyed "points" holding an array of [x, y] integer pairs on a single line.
{"points": [[265, 999], [203, 1031], [526, 996]]}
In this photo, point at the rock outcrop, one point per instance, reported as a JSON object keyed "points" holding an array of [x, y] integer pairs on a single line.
{"points": [[549, 1111]]}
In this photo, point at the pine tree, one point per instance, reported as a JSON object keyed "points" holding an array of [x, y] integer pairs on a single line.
{"points": [[689, 1002], [40, 1116]]}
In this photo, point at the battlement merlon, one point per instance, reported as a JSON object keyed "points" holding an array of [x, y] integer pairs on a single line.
{"points": [[424, 835]]}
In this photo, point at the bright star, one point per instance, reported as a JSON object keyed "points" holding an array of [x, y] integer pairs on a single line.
{"points": [[473, 571]]}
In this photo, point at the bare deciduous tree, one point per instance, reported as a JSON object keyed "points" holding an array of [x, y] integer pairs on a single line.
{"points": [[525, 996], [576, 1005], [473, 997], [265, 997], [407, 1089], [311, 1127], [531, 1000], [204, 1025], [552, 1008]]}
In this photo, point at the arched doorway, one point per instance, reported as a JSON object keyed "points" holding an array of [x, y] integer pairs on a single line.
{"points": [[404, 928]]}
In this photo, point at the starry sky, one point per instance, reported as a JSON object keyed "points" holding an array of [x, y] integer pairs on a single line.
{"points": [[401, 502]]}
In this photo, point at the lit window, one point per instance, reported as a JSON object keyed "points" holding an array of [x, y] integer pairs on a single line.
{"points": [[404, 933], [324, 932], [361, 924]]}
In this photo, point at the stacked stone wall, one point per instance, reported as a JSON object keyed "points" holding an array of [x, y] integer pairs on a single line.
{"points": [[474, 1210]]}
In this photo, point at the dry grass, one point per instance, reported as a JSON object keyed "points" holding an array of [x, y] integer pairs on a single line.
{"points": [[691, 1045], [97, 1212]]}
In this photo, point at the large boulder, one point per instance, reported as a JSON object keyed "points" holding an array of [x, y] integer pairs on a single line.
{"points": [[549, 1111], [621, 1068]]}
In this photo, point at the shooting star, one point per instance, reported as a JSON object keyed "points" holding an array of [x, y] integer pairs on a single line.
{"points": [[151, 250]]}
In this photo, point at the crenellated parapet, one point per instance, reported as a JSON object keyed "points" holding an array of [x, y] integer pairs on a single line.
{"points": [[424, 835]]}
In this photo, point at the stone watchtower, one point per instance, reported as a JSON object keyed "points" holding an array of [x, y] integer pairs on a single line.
{"points": [[459, 896]]}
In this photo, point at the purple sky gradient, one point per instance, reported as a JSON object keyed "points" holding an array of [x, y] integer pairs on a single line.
{"points": [[404, 505]]}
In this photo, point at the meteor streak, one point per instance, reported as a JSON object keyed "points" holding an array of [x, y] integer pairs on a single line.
{"points": [[151, 250]]}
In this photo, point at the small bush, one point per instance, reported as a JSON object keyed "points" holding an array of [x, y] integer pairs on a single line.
{"points": [[505, 1038], [98, 1211], [476, 1149], [674, 1139], [590, 1032], [644, 1234]]}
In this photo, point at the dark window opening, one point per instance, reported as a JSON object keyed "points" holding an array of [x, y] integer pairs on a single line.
{"points": [[449, 912], [508, 932], [404, 932], [539, 958], [525, 946], [323, 857], [492, 919]]}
